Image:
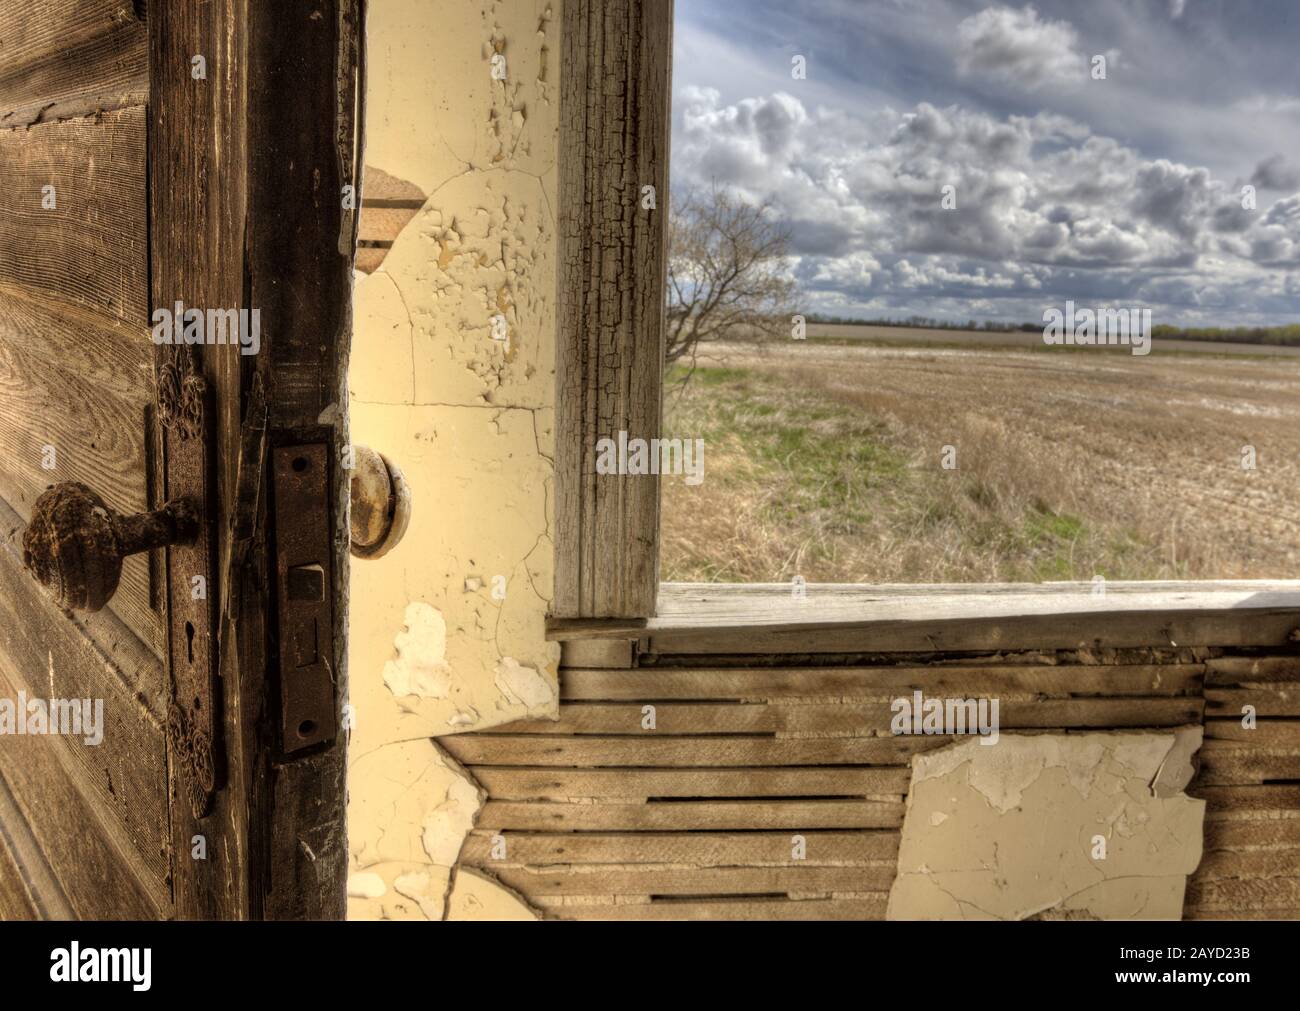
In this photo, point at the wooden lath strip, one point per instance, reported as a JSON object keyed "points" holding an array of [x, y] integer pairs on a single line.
{"points": [[687, 752], [540, 883], [870, 906], [388, 204], [713, 816], [654, 683], [790, 717], [523, 783], [698, 849]]}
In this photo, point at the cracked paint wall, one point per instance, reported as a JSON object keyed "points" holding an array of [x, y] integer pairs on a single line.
{"points": [[453, 379], [1076, 826]]}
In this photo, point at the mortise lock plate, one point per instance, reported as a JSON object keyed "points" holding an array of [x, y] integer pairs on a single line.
{"points": [[304, 597]]}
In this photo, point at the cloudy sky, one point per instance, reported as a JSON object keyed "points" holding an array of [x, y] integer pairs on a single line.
{"points": [[1123, 191]]}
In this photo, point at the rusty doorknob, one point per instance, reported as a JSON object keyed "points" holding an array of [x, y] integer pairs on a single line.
{"points": [[74, 544], [381, 504]]}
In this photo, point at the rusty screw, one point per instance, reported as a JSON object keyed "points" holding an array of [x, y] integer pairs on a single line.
{"points": [[74, 544]]}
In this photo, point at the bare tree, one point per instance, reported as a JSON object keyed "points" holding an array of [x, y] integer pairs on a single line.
{"points": [[726, 273]]}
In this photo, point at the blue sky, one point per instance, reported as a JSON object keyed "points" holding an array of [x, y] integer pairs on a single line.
{"points": [[1123, 191]]}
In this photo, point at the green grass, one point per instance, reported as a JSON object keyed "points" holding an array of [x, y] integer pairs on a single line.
{"points": [[823, 457], [829, 477]]}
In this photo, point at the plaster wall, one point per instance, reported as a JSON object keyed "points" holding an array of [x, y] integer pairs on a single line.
{"points": [[453, 379]]}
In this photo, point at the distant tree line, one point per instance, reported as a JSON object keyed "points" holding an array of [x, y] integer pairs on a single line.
{"points": [[1283, 335], [923, 323], [1288, 335]]}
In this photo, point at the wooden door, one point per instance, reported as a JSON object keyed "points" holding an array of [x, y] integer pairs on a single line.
{"points": [[152, 154]]}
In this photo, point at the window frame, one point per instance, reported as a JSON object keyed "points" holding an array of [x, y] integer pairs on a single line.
{"points": [[615, 97]]}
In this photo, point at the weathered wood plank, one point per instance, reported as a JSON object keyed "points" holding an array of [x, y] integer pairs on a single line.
{"points": [[306, 66], [849, 718], [16, 903], [614, 137], [42, 889], [1280, 698], [701, 619], [1267, 733], [100, 867], [765, 881], [650, 751], [587, 653], [1232, 670], [1230, 802], [198, 217], [1270, 863], [65, 58], [53, 655], [1197, 913], [82, 388], [742, 605], [718, 599], [647, 684], [699, 849], [1225, 623], [89, 250], [1236, 894], [1229, 762], [1233, 835], [872, 908], [558, 784], [678, 816]]}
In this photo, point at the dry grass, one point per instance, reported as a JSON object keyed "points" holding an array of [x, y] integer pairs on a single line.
{"points": [[825, 461]]}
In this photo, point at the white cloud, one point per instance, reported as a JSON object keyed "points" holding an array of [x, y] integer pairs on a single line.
{"points": [[1045, 207], [1020, 47]]}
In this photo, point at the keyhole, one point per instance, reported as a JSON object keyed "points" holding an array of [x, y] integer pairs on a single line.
{"points": [[189, 640]]}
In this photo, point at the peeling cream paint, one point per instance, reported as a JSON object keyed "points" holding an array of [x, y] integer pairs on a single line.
{"points": [[427, 890], [1016, 830], [421, 665], [366, 885], [447, 631], [526, 687], [475, 896], [411, 806], [409, 803]]}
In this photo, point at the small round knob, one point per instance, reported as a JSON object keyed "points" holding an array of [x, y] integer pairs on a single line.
{"points": [[74, 544], [381, 504]]}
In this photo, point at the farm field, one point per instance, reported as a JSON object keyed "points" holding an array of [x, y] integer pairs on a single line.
{"points": [[825, 459], [1033, 341]]}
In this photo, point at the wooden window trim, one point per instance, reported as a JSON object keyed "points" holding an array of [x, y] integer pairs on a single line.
{"points": [[615, 84], [765, 618], [614, 139]]}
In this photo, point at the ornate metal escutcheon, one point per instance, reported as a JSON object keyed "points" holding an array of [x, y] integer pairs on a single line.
{"points": [[193, 727]]}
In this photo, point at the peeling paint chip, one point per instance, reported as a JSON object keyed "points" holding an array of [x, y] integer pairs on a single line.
{"points": [[1051, 826], [366, 885], [475, 896], [525, 686], [421, 667]]}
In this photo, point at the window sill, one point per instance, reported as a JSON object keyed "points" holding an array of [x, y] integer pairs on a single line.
{"points": [[730, 618]]}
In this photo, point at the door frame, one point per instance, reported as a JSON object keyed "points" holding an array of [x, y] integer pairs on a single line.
{"points": [[248, 165]]}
